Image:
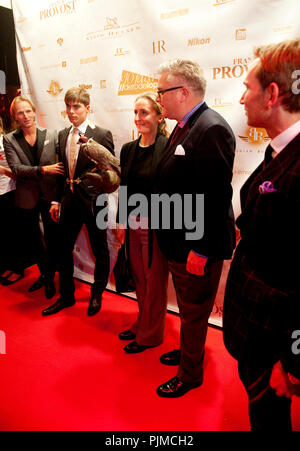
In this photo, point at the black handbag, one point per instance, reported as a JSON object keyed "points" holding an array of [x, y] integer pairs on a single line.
{"points": [[122, 271]]}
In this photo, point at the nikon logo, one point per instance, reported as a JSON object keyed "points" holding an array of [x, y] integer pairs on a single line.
{"points": [[83, 86], [198, 41], [239, 69], [58, 9], [132, 83]]}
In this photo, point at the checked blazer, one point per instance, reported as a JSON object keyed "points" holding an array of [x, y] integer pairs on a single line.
{"points": [[263, 282]]}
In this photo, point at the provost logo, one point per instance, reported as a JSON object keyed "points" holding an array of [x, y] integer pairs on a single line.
{"points": [[238, 69], [58, 8], [54, 88], [255, 136]]}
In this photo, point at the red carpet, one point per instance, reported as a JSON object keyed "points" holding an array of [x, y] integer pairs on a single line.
{"points": [[69, 371]]}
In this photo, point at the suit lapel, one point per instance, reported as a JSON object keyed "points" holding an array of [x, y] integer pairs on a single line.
{"points": [[41, 135], [22, 148], [63, 148], [130, 157], [181, 136], [272, 172]]}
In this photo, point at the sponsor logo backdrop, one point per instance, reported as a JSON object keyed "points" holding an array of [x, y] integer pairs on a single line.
{"points": [[114, 48]]}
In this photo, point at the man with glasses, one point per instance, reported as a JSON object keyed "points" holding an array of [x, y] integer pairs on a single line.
{"points": [[198, 160]]}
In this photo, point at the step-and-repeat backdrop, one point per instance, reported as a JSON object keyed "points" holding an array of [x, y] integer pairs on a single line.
{"points": [[113, 49]]}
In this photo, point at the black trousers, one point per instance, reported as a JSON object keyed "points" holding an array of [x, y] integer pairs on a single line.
{"points": [[267, 411], [38, 246], [10, 253], [74, 214]]}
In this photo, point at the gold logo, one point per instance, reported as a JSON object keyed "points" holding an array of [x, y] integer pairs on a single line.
{"points": [[255, 136], [112, 29], [91, 59], [54, 88], [121, 52], [222, 2], [132, 83], [26, 49], [60, 41], [84, 86], [237, 70], [59, 8], [173, 14], [111, 23], [240, 34], [219, 103], [198, 41]]}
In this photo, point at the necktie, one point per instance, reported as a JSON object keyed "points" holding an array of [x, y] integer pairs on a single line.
{"points": [[179, 134], [72, 156]]}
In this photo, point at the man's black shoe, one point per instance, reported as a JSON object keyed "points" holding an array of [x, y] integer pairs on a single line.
{"points": [[94, 305], [174, 388], [171, 358], [59, 305], [127, 335], [37, 284], [135, 348]]}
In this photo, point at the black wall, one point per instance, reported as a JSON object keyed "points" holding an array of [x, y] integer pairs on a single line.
{"points": [[8, 63]]}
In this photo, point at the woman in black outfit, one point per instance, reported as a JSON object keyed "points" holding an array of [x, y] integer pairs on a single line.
{"points": [[139, 160]]}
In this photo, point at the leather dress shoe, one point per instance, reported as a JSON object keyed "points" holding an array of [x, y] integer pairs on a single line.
{"points": [[94, 305], [171, 358], [49, 289], [6, 281], [174, 388], [135, 348], [37, 284], [127, 335], [59, 305]]}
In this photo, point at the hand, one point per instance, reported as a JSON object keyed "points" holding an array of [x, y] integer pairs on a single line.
{"points": [[195, 264], [54, 169], [54, 212]]}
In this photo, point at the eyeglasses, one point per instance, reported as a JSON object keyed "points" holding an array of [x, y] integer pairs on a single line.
{"points": [[162, 91]]}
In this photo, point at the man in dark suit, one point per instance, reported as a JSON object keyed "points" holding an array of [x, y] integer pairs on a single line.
{"points": [[198, 160], [31, 154], [78, 203], [261, 307]]}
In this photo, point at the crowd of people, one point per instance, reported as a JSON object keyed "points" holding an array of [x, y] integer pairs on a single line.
{"points": [[40, 177]]}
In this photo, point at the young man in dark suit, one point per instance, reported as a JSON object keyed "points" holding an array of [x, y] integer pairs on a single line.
{"points": [[261, 306], [31, 154], [198, 160], [78, 204]]}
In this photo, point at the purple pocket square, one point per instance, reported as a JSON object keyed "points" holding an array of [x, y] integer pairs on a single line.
{"points": [[267, 187]]}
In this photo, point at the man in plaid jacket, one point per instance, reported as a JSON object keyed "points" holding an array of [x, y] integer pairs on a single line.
{"points": [[261, 318]]}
